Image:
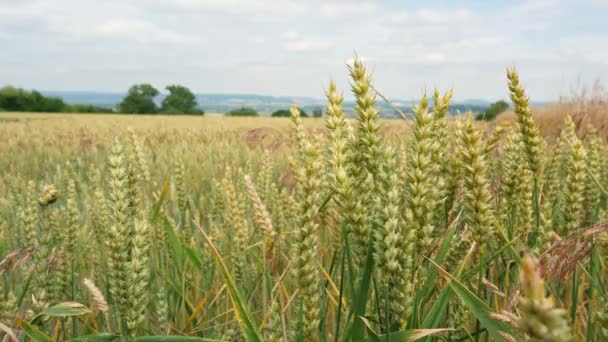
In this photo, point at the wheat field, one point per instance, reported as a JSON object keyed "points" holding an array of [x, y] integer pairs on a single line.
{"points": [[157, 228]]}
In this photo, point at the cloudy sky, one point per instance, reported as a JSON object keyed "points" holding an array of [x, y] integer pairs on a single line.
{"points": [[289, 47]]}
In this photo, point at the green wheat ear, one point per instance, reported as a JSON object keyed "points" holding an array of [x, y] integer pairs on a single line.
{"points": [[139, 157], [421, 195], [8, 307], [516, 186], [393, 252], [262, 217], [236, 224], [441, 152], [476, 193], [162, 311], [368, 119], [574, 191], [534, 145], [28, 215], [139, 277], [273, 331], [540, 319], [555, 170], [367, 149], [42, 291], [340, 160], [308, 169], [119, 235], [180, 185], [72, 227], [592, 195]]}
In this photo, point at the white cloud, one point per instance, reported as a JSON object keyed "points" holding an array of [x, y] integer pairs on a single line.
{"points": [[434, 57], [345, 9], [395, 17], [476, 43], [257, 39], [294, 41], [432, 16], [528, 6], [290, 35], [307, 45], [138, 30], [256, 10], [584, 47]]}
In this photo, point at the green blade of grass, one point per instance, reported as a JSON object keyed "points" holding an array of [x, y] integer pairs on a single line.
{"points": [[429, 286], [438, 310], [339, 308], [174, 241], [33, 332], [439, 307], [158, 205], [66, 309], [103, 337], [174, 339], [478, 308], [489, 260], [362, 294], [575, 294], [405, 335], [594, 267], [243, 316]]}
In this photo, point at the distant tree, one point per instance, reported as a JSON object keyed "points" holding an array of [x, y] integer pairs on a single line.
{"points": [[493, 111], [140, 100], [317, 112], [180, 101], [281, 113], [243, 111], [286, 113], [10, 98], [52, 104], [21, 100], [85, 108]]}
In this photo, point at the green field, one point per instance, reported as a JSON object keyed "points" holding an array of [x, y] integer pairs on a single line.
{"points": [[217, 228]]}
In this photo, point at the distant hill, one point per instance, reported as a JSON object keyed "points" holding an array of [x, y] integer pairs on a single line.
{"points": [[221, 103]]}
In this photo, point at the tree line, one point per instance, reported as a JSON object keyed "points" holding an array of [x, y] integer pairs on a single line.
{"points": [[20, 100], [140, 99]]}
